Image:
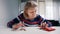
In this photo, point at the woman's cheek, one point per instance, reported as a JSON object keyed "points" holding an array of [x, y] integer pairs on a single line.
{"points": [[31, 15]]}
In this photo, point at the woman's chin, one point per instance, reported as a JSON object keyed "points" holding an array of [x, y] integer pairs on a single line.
{"points": [[31, 18]]}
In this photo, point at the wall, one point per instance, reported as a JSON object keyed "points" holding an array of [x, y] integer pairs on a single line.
{"points": [[8, 11], [56, 9], [49, 9]]}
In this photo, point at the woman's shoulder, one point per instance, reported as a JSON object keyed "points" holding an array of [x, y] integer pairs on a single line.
{"points": [[20, 15], [38, 16]]}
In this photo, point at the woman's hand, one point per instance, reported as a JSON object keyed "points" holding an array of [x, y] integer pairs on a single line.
{"points": [[44, 25], [16, 26]]}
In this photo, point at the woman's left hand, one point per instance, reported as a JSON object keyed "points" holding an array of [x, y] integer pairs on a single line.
{"points": [[44, 25]]}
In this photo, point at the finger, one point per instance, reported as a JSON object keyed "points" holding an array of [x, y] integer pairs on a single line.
{"points": [[41, 24], [46, 25], [45, 22], [15, 27]]}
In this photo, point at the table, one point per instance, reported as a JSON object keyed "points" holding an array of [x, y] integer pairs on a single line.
{"points": [[29, 30]]}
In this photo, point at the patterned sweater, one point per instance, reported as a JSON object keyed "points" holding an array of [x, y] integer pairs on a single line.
{"points": [[29, 23]]}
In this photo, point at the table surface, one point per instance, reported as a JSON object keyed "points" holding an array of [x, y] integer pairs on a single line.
{"points": [[29, 30]]}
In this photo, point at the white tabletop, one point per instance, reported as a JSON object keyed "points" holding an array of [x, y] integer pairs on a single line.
{"points": [[29, 30]]}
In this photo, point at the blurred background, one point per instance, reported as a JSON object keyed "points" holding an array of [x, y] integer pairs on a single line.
{"points": [[48, 9]]}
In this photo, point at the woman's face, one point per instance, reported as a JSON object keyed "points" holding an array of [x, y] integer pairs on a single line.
{"points": [[31, 13]]}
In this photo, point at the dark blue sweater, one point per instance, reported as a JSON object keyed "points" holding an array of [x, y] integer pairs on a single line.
{"points": [[35, 22]]}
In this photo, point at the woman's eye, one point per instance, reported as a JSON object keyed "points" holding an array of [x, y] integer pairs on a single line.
{"points": [[31, 12]]}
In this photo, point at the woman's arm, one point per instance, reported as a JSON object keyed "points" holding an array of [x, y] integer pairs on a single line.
{"points": [[12, 22], [44, 21]]}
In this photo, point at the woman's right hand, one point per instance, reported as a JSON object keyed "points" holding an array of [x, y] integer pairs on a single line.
{"points": [[16, 26]]}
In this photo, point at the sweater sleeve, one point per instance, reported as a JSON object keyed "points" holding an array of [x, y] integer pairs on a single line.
{"points": [[12, 22]]}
